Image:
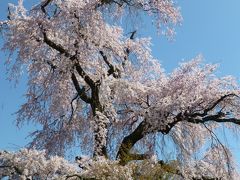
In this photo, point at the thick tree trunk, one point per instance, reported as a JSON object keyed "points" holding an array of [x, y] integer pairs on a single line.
{"points": [[142, 130], [128, 142], [100, 123], [100, 134]]}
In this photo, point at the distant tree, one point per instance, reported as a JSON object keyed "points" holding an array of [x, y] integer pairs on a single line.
{"points": [[92, 84]]}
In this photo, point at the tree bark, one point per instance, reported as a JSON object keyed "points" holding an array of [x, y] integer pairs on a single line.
{"points": [[142, 130], [100, 123], [128, 142]]}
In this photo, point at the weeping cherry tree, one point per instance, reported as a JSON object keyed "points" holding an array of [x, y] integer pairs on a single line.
{"points": [[92, 84]]}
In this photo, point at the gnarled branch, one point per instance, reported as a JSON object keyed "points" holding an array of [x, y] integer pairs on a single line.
{"points": [[145, 128]]}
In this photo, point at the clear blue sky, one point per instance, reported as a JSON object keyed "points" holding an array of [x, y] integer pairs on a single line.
{"points": [[210, 28]]}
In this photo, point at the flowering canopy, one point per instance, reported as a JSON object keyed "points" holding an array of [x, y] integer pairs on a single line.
{"points": [[89, 83]]}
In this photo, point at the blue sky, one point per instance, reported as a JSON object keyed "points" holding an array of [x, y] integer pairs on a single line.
{"points": [[210, 28]]}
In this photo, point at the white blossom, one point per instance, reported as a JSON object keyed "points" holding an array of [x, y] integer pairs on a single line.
{"points": [[90, 83]]}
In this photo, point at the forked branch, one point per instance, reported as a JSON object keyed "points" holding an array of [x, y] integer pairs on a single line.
{"points": [[145, 128]]}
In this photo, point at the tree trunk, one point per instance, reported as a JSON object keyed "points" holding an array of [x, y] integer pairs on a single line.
{"points": [[100, 124], [100, 134], [128, 142]]}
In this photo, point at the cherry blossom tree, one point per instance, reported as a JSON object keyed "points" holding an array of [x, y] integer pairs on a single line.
{"points": [[90, 83]]}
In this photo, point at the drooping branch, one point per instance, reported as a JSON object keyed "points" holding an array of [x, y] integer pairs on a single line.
{"points": [[145, 128], [213, 135]]}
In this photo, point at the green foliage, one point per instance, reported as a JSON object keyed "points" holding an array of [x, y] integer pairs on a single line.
{"points": [[135, 170], [146, 170]]}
